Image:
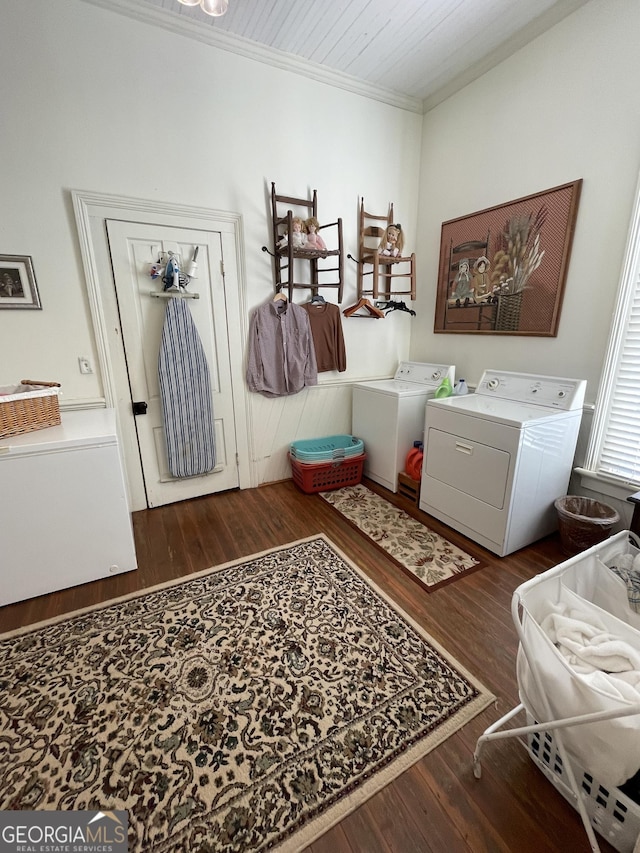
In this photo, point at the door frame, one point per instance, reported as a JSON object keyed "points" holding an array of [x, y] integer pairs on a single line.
{"points": [[91, 211]]}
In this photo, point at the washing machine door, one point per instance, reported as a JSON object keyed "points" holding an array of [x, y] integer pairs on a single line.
{"points": [[469, 455], [469, 470], [470, 467]]}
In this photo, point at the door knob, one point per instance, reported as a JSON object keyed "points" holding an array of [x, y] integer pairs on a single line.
{"points": [[139, 408]]}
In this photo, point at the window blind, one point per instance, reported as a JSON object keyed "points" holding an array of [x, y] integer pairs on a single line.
{"points": [[614, 446]]}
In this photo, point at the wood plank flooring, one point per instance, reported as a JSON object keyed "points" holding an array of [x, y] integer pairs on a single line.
{"points": [[437, 806]]}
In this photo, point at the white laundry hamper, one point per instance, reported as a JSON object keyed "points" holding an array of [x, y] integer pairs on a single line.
{"points": [[583, 731]]}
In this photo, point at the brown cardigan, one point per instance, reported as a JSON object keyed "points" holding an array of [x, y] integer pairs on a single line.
{"points": [[328, 340]]}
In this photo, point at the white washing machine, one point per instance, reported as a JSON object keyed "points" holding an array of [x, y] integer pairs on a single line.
{"points": [[388, 415], [495, 461]]}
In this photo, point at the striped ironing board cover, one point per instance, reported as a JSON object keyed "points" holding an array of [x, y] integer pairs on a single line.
{"points": [[185, 390]]}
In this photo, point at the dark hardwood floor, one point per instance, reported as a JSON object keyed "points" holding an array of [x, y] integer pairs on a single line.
{"points": [[437, 805]]}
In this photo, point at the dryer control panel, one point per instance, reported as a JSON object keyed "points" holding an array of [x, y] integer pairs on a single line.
{"points": [[554, 392], [424, 374]]}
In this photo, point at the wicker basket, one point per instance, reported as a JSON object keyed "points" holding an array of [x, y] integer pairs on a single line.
{"points": [[583, 522], [28, 406]]}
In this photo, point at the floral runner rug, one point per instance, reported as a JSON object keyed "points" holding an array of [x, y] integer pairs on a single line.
{"points": [[421, 553], [246, 708]]}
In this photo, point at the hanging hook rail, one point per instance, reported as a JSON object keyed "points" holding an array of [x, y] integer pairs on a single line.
{"points": [[173, 294]]}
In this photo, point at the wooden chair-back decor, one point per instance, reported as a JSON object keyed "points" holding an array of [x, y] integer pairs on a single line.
{"points": [[377, 274], [287, 258]]}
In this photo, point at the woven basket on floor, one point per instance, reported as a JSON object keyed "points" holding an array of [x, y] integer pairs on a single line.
{"points": [[28, 406], [583, 522]]}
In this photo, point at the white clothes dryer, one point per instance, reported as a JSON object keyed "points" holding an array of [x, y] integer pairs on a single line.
{"points": [[388, 415], [495, 461]]}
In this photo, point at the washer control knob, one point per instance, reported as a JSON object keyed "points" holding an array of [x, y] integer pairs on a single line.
{"points": [[562, 393], [436, 375], [492, 384]]}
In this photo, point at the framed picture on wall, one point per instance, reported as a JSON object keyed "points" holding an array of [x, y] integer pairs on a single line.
{"points": [[502, 270], [18, 288]]}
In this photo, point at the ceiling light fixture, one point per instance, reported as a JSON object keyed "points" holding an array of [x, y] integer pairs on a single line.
{"points": [[211, 7]]}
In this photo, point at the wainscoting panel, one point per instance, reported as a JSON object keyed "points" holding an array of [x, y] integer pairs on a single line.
{"points": [[313, 412]]}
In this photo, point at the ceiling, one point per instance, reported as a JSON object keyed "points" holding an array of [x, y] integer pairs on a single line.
{"points": [[413, 53]]}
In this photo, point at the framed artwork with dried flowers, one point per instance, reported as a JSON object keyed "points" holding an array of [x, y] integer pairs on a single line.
{"points": [[503, 270]]}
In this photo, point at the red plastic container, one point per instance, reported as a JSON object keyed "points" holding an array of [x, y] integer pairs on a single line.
{"points": [[326, 476], [413, 464]]}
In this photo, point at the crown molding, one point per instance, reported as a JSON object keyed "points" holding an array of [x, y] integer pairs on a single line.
{"points": [[156, 16]]}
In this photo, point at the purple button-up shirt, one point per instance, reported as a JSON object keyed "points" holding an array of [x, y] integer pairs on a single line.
{"points": [[282, 358]]}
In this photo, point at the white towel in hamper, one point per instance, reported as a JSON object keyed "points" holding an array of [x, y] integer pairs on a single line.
{"points": [[583, 639], [609, 750]]}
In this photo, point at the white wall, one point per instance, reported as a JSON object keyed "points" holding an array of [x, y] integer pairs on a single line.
{"points": [[563, 108], [95, 101]]}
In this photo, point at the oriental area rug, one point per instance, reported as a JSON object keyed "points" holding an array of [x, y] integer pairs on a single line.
{"points": [[246, 708], [429, 558]]}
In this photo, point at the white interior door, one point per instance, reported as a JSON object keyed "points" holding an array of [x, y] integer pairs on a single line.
{"points": [[134, 247]]}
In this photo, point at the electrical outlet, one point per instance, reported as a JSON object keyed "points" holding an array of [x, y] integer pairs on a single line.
{"points": [[85, 365]]}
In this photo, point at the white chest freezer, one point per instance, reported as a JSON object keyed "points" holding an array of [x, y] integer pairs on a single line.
{"points": [[65, 518]]}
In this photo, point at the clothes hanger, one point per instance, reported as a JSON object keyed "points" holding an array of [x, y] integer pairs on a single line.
{"points": [[280, 295], [363, 303], [318, 300], [397, 306]]}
